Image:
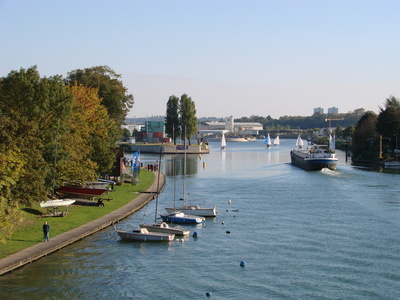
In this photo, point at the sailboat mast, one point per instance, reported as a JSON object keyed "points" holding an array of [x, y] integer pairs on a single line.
{"points": [[158, 185]]}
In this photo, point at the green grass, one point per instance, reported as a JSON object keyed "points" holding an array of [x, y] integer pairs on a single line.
{"points": [[31, 232]]}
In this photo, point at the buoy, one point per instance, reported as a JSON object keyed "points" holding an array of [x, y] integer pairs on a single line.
{"points": [[194, 234], [227, 210], [229, 201], [242, 263], [223, 223], [204, 164], [208, 294]]}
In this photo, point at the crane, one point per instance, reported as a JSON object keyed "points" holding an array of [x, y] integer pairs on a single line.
{"points": [[329, 122]]}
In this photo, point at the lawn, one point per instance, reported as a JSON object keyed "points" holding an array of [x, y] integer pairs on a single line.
{"points": [[30, 233]]}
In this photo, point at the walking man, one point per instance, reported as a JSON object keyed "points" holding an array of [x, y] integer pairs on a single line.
{"points": [[46, 230]]}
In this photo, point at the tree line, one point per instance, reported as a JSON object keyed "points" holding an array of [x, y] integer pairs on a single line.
{"points": [[55, 130]]}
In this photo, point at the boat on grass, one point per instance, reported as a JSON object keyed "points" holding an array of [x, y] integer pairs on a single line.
{"points": [[164, 228], [82, 191], [56, 203], [181, 218], [315, 158], [142, 234]]}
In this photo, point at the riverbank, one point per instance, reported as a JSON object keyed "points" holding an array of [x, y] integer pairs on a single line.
{"points": [[57, 242]]}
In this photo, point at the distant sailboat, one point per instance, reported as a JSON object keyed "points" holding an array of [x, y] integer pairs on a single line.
{"points": [[276, 141], [268, 141], [299, 142], [223, 142]]}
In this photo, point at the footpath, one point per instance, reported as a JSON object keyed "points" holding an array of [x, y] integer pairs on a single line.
{"points": [[37, 251]]}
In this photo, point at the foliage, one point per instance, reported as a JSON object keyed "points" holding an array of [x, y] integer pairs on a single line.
{"points": [[114, 95], [388, 124], [188, 120], [365, 137], [172, 128], [181, 117]]}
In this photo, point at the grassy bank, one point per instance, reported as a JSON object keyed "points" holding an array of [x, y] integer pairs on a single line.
{"points": [[30, 232]]}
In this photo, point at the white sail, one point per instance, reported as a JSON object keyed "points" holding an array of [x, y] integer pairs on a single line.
{"points": [[223, 142], [276, 141], [299, 142], [268, 141]]}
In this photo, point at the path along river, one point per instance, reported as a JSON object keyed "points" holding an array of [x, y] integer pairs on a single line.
{"points": [[303, 235]]}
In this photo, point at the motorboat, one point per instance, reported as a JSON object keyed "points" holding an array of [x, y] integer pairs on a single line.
{"points": [[180, 217], [195, 210], [164, 228], [142, 234]]}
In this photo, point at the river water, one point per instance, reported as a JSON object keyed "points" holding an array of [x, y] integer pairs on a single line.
{"points": [[303, 235]]}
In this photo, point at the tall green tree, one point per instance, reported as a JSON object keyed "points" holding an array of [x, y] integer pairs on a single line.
{"points": [[388, 124], [172, 123], [366, 137], [188, 119]]}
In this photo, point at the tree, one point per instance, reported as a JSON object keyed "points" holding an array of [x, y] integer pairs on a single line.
{"points": [[114, 95], [188, 120], [365, 137], [172, 128], [388, 124], [38, 106]]}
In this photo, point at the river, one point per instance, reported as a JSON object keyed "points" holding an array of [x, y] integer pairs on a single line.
{"points": [[303, 235]]}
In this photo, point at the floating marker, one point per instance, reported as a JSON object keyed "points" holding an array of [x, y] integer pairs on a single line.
{"points": [[223, 223], [242, 263], [229, 201], [208, 294], [194, 234]]}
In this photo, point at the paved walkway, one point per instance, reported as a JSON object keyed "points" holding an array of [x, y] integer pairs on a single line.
{"points": [[37, 251]]}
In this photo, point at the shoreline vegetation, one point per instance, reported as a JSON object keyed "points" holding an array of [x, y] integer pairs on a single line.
{"points": [[29, 231]]}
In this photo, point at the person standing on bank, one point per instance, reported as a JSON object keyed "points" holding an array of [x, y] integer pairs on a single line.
{"points": [[46, 230]]}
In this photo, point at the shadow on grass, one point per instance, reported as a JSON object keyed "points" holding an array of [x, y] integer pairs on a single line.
{"points": [[33, 211]]}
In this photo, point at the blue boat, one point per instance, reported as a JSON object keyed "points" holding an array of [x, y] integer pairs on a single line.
{"points": [[180, 217]]}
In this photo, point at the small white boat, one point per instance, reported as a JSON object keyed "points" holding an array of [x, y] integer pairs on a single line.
{"points": [[56, 203], [164, 228], [277, 141], [142, 234], [180, 217], [195, 210], [223, 142], [268, 141]]}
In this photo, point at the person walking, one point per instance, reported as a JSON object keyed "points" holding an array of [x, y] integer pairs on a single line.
{"points": [[46, 231]]}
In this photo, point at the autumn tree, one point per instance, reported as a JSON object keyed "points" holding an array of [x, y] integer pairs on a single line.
{"points": [[114, 95]]}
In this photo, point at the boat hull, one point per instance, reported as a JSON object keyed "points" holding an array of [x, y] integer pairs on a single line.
{"points": [[181, 218], [195, 210], [145, 237], [301, 160], [164, 228], [56, 203], [84, 192]]}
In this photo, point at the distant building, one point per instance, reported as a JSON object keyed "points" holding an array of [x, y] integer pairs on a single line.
{"points": [[333, 110], [318, 110], [237, 128]]}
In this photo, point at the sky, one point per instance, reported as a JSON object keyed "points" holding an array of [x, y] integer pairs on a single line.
{"points": [[237, 58]]}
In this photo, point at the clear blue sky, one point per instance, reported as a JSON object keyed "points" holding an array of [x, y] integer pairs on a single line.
{"points": [[240, 58]]}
